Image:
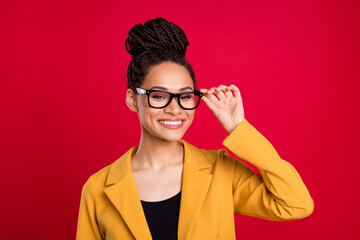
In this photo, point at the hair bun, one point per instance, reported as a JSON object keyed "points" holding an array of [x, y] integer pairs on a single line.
{"points": [[156, 35]]}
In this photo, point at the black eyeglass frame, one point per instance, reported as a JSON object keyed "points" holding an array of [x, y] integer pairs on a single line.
{"points": [[172, 95]]}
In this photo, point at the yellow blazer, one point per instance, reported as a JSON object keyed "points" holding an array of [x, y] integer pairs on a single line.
{"points": [[214, 187]]}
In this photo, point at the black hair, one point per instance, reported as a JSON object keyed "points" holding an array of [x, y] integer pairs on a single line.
{"points": [[155, 42]]}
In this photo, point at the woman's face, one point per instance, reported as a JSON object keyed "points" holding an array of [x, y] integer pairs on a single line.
{"points": [[170, 77]]}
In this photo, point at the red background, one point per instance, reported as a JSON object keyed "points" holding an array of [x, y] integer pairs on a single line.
{"points": [[63, 114]]}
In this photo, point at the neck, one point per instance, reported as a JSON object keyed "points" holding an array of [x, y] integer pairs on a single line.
{"points": [[156, 153]]}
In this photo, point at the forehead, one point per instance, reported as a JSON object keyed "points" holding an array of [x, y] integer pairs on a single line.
{"points": [[168, 75]]}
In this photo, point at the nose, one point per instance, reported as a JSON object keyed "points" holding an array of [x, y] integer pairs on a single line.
{"points": [[173, 107]]}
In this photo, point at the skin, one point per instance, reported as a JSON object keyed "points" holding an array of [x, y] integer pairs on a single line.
{"points": [[158, 162]]}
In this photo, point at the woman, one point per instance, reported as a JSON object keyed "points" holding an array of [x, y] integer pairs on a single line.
{"points": [[166, 188]]}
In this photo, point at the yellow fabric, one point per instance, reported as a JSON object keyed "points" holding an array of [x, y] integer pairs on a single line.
{"points": [[214, 186]]}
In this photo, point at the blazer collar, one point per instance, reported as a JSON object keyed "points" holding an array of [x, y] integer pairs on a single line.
{"points": [[122, 192]]}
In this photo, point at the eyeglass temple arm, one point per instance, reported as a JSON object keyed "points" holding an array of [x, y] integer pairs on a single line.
{"points": [[139, 90]]}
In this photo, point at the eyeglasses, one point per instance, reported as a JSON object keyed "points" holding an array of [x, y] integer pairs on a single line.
{"points": [[161, 99]]}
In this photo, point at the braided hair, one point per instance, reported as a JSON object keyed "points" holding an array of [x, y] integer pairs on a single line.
{"points": [[153, 43]]}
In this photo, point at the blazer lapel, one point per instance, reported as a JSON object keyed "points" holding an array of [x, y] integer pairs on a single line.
{"points": [[195, 185], [122, 192]]}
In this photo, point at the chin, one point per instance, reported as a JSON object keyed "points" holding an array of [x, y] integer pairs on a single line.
{"points": [[172, 137]]}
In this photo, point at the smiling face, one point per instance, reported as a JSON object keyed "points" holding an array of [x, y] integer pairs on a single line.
{"points": [[164, 123]]}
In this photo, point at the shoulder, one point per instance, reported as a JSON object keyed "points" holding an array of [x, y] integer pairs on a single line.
{"points": [[111, 173], [100, 176], [221, 158], [96, 182], [217, 158]]}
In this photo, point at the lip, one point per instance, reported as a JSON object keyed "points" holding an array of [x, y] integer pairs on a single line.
{"points": [[172, 120]]}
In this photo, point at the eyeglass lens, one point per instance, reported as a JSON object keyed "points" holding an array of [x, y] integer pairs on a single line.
{"points": [[160, 99]]}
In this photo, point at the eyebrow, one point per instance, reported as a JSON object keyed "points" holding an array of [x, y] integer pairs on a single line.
{"points": [[163, 88]]}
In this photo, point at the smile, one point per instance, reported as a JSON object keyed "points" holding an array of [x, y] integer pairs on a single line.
{"points": [[172, 124]]}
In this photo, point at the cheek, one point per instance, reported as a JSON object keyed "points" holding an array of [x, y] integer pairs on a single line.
{"points": [[144, 110], [191, 117], [148, 115]]}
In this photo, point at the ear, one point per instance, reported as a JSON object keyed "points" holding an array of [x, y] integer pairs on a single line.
{"points": [[131, 100]]}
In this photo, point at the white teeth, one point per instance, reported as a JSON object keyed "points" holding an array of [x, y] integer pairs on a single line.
{"points": [[171, 122]]}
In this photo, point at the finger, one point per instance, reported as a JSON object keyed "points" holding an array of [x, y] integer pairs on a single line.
{"points": [[209, 103], [211, 90], [219, 93], [211, 97], [228, 92], [221, 87], [236, 90]]}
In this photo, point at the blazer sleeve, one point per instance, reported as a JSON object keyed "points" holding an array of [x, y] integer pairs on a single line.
{"points": [[87, 228], [278, 193]]}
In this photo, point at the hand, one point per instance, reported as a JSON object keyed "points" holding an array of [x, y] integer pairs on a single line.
{"points": [[228, 109]]}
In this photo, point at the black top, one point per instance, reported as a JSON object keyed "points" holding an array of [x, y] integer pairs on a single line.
{"points": [[163, 217]]}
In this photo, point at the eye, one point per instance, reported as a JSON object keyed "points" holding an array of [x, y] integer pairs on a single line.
{"points": [[157, 97], [188, 96]]}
